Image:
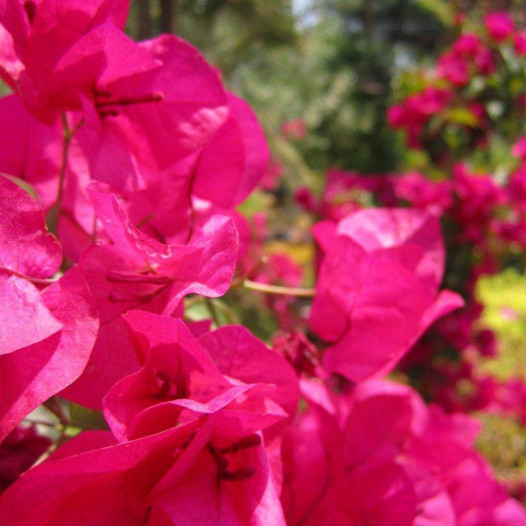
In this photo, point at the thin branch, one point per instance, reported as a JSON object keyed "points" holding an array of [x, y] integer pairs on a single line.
{"points": [[54, 406], [68, 136], [213, 311], [279, 290]]}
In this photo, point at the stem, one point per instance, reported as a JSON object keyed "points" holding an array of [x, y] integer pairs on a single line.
{"points": [[68, 135], [169, 15], [54, 406], [42, 422], [228, 313], [144, 20], [64, 164], [191, 204], [144, 221], [368, 15], [130, 101], [193, 300], [36, 281], [213, 311], [276, 289], [94, 230]]}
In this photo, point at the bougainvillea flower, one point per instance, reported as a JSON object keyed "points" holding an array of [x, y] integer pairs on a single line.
{"points": [[149, 127], [420, 192], [519, 43], [197, 473], [499, 25], [194, 430], [467, 45], [454, 68], [162, 134], [457, 64], [380, 456], [32, 374], [445, 446], [179, 380], [273, 174], [27, 251], [121, 138], [233, 476], [140, 272], [339, 466], [23, 306], [18, 452], [144, 170], [429, 102], [140, 125], [234, 161], [294, 129], [417, 110], [135, 127], [50, 53], [519, 149], [26, 247], [480, 196], [377, 290], [204, 265], [240, 355], [43, 345]]}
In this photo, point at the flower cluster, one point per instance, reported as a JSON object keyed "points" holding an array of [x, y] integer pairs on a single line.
{"points": [[124, 163], [484, 225], [468, 107], [475, 91]]}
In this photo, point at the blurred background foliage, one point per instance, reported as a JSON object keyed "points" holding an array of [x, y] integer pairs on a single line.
{"points": [[503, 440], [504, 300], [335, 64], [328, 62]]}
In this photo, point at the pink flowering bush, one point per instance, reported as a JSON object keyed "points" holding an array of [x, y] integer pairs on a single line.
{"points": [[484, 227], [483, 76], [462, 112], [474, 94], [122, 171]]}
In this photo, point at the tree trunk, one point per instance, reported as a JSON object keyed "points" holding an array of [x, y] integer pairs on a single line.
{"points": [[368, 15], [169, 12], [144, 22]]}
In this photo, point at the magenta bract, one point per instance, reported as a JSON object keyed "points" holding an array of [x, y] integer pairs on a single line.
{"points": [[377, 290]]}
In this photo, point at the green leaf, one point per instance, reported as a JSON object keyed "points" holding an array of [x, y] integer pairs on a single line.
{"points": [[22, 184], [444, 11], [462, 116], [85, 418]]}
